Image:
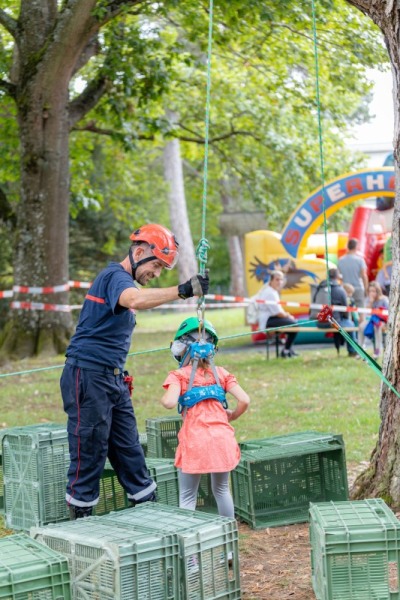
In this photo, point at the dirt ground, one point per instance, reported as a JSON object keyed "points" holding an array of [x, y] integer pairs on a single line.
{"points": [[275, 562]]}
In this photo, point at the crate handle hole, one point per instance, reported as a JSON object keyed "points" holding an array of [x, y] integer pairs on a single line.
{"points": [[393, 577]]}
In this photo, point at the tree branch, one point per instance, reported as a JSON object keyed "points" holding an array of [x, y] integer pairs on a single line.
{"points": [[87, 100], [8, 87], [8, 23], [92, 49], [93, 128], [115, 7], [200, 140]]}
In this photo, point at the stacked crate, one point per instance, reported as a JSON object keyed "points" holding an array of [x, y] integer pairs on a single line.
{"points": [[2, 434], [113, 497], [162, 441], [208, 546], [143, 442], [111, 563], [355, 551], [35, 462], [276, 479], [288, 439], [31, 571]]}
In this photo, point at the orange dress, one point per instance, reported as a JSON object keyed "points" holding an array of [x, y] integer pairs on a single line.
{"points": [[206, 439]]}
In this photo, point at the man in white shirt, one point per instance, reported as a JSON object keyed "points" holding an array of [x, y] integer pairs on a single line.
{"points": [[272, 314]]}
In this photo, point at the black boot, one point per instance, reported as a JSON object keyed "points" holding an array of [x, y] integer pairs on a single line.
{"points": [[79, 512], [151, 498]]}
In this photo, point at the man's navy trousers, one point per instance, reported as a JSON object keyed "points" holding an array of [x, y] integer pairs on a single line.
{"points": [[101, 423]]}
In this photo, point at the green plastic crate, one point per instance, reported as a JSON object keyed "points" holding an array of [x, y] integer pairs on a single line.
{"points": [[274, 485], [113, 496], [355, 551], [109, 563], [31, 571], [289, 439], [206, 544], [162, 442], [162, 436], [2, 434], [143, 442], [35, 463]]}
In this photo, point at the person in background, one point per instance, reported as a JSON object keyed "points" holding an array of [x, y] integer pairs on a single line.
{"points": [[206, 439], [95, 387], [354, 271], [372, 327], [353, 315], [272, 314], [339, 298], [384, 275]]}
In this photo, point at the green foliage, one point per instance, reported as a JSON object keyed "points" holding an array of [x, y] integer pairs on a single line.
{"points": [[263, 118]]}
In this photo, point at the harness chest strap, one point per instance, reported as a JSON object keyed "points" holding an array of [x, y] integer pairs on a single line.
{"points": [[202, 392]]}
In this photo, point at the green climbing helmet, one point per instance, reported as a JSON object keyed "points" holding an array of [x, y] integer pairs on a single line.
{"points": [[192, 324]]}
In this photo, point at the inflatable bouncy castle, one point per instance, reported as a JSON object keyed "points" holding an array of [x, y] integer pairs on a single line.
{"points": [[303, 255]]}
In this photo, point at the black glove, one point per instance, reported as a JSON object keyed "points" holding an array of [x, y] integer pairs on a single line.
{"points": [[196, 286]]}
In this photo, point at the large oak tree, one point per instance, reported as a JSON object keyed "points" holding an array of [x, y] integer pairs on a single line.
{"points": [[75, 65]]}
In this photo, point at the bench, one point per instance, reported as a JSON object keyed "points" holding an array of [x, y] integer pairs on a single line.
{"points": [[276, 334]]}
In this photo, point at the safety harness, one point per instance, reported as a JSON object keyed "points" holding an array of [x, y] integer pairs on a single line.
{"points": [[195, 352]]}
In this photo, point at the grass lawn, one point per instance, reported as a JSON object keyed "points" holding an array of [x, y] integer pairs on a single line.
{"points": [[317, 390]]}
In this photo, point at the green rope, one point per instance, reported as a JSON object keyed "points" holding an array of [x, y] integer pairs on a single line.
{"points": [[203, 245], [321, 144], [202, 254], [203, 260], [228, 337], [367, 358]]}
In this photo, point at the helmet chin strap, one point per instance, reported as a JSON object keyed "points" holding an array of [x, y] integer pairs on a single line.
{"points": [[135, 265]]}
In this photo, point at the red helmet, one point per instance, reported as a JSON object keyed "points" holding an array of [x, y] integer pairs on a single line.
{"points": [[162, 242]]}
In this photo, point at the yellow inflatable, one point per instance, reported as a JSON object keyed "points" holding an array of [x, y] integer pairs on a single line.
{"points": [[265, 252], [300, 253]]}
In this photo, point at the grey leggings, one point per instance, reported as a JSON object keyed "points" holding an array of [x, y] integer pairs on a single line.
{"points": [[189, 485]]}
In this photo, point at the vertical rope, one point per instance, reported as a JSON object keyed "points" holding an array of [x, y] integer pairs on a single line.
{"points": [[321, 143], [203, 245]]}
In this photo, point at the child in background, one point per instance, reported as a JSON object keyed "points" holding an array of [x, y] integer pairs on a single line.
{"points": [[206, 440], [349, 289], [373, 326]]}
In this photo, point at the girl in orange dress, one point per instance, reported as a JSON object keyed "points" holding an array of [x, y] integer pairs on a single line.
{"points": [[207, 441]]}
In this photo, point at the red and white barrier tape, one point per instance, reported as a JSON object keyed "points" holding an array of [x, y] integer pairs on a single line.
{"points": [[68, 308], [41, 306], [224, 301], [241, 299], [55, 289]]}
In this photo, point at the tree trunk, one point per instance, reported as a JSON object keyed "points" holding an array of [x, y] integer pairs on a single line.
{"points": [[50, 40], [173, 173], [237, 279], [382, 478]]}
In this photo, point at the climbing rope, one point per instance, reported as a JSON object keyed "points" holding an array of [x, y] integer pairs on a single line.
{"points": [[204, 246], [321, 143], [326, 316]]}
